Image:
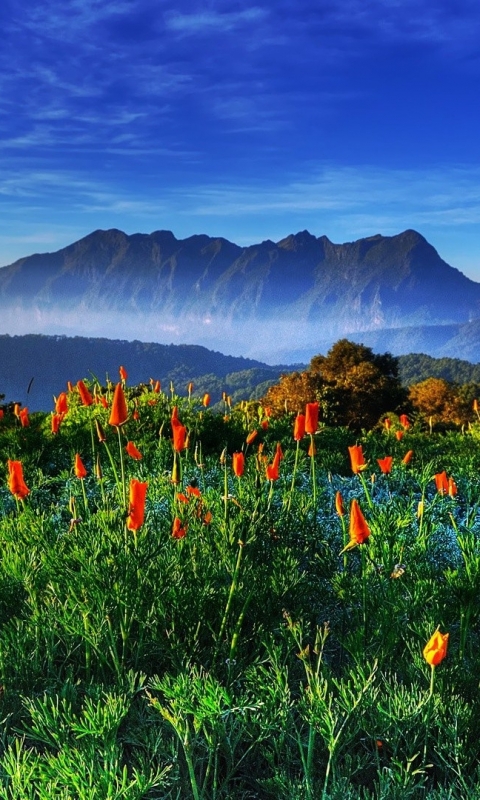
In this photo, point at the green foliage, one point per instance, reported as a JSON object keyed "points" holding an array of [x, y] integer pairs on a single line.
{"points": [[249, 658]]}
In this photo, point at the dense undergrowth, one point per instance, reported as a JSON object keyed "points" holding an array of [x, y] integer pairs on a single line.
{"points": [[226, 647]]}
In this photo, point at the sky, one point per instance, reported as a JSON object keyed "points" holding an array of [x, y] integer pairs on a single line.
{"points": [[246, 120]]}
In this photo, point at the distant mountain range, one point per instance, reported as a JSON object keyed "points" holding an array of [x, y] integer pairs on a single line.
{"points": [[278, 301]]}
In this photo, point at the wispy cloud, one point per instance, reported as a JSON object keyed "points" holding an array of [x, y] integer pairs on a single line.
{"points": [[211, 20]]}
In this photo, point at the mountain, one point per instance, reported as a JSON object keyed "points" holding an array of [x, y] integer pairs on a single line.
{"points": [[34, 368], [267, 300]]}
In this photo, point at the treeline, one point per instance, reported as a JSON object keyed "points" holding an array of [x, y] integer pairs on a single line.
{"points": [[418, 367]]}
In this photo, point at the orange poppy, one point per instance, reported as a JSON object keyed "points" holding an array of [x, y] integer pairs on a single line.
{"points": [[123, 373], [24, 418], [84, 393], [388, 423], [133, 452], [273, 472], [299, 427], [56, 421], [357, 458], [407, 457], [119, 412], [340, 509], [452, 487], [179, 530], [179, 435], [80, 471], [251, 436], [311, 417], [441, 482], [206, 399], [404, 421], [16, 482], [61, 404], [136, 505], [359, 530], [399, 435], [436, 648], [385, 464], [238, 463]]}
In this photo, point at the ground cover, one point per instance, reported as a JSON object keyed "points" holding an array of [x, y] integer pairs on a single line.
{"points": [[228, 606]]}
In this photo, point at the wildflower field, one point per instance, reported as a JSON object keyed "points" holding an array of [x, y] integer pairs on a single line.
{"points": [[229, 605]]}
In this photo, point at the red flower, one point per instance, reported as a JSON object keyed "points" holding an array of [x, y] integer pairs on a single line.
{"points": [[359, 530], [157, 387], [16, 483], [23, 417], [85, 395], [399, 435], [238, 463], [133, 452], [385, 464], [311, 417], [61, 405], [299, 427], [404, 421], [119, 412], [2, 413], [136, 505], [80, 471], [357, 459], [436, 648], [179, 530], [123, 373]]}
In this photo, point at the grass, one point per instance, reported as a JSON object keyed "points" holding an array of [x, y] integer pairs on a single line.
{"points": [[244, 657]]}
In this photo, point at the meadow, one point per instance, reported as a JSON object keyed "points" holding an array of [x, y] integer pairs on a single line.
{"points": [[213, 605]]}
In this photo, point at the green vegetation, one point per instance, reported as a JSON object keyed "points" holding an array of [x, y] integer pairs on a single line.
{"points": [[235, 635]]}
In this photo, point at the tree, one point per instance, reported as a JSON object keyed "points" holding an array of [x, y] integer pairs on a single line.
{"points": [[354, 386], [439, 402]]}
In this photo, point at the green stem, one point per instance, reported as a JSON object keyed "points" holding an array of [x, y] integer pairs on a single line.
{"points": [[365, 489], [122, 468], [295, 466], [231, 594]]}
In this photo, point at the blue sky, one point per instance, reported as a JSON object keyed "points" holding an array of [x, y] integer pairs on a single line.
{"points": [[243, 120]]}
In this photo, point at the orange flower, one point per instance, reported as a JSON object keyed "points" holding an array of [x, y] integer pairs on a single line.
{"points": [[179, 435], [190, 388], [452, 487], [475, 406], [179, 530], [441, 482], [16, 483], [238, 463], [206, 399], [299, 427], [357, 459], [264, 424], [311, 417], [80, 471], [407, 457], [193, 491], [273, 472], [436, 648], [133, 452], [16, 409], [85, 395], [404, 421], [100, 432], [385, 464], [388, 423], [56, 421], [23, 417], [61, 404], [251, 436], [119, 412], [359, 530], [339, 505], [157, 387], [312, 450], [399, 435], [136, 505], [123, 373]]}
